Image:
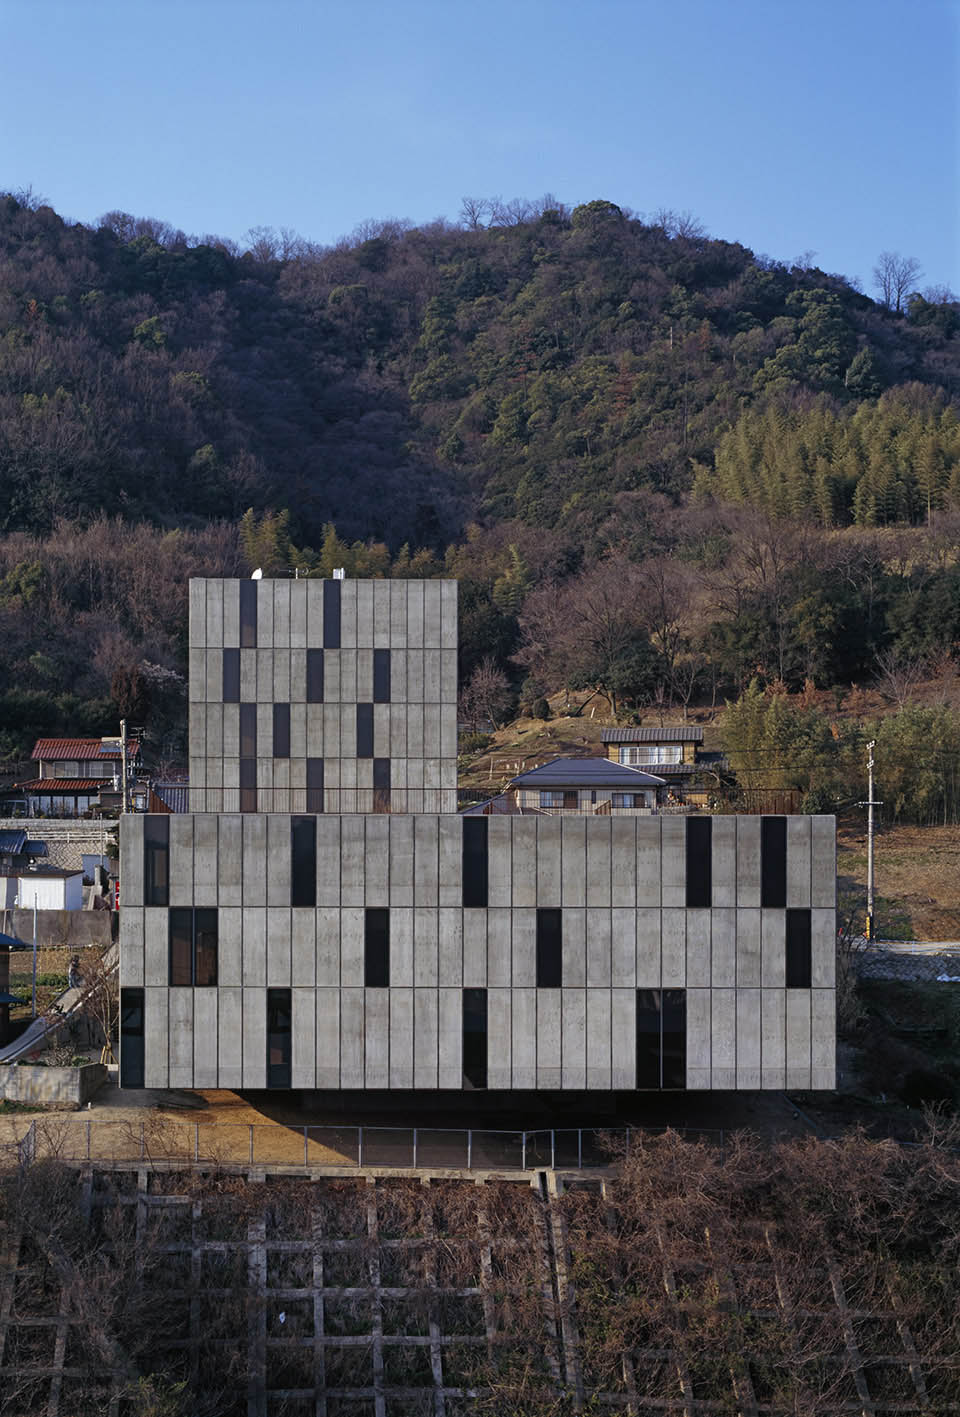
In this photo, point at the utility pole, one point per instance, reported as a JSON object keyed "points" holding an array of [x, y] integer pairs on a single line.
{"points": [[123, 765], [870, 804]]}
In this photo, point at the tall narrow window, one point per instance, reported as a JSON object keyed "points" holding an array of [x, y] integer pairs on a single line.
{"points": [[303, 860], [181, 947], [699, 862], [674, 1038], [799, 962], [773, 861], [475, 872], [281, 730], [314, 784], [131, 1038], [156, 860], [248, 784], [474, 1037], [376, 948], [381, 784], [248, 730], [661, 1038], [231, 676], [364, 730], [314, 676], [248, 757], [248, 614], [549, 949], [331, 614], [381, 676], [204, 948], [193, 947], [279, 1037], [648, 1038]]}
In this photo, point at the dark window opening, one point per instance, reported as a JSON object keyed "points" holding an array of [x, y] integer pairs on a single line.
{"points": [[193, 947], [314, 676], [571, 800], [549, 949], [476, 864], [474, 1038], [661, 1038], [331, 614], [773, 861], [314, 784], [279, 1037], [281, 730], [381, 784], [303, 860], [248, 730], [381, 676], [248, 757], [364, 730], [475, 873], [231, 676], [799, 961], [248, 784], [156, 860], [699, 862], [248, 614], [131, 1038], [376, 948]]}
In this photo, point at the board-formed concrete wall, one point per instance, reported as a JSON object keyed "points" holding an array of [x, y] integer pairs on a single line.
{"points": [[414, 732], [620, 886], [52, 1087]]}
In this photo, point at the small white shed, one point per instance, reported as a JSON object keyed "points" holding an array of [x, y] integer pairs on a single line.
{"points": [[49, 889]]}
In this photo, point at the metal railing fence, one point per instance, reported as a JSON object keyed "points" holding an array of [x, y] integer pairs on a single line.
{"points": [[254, 1145]]}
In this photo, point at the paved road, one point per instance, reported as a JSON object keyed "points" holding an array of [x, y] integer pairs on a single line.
{"points": [[933, 961]]}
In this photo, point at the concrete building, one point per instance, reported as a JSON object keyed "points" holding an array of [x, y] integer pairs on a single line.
{"points": [[323, 919]]}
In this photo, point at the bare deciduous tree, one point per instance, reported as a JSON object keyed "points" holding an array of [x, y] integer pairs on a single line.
{"points": [[895, 277], [486, 695], [899, 674]]}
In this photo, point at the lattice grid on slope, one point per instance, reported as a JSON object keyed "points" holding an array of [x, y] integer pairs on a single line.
{"points": [[368, 1299]]}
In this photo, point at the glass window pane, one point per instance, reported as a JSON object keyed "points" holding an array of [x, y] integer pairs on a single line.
{"points": [[205, 947], [549, 949], [181, 947]]}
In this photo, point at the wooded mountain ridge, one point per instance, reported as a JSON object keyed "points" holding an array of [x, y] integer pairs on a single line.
{"points": [[658, 464], [410, 379]]}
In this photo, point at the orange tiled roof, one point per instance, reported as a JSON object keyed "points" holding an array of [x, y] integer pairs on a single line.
{"points": [[52, 786], [54, 750]]}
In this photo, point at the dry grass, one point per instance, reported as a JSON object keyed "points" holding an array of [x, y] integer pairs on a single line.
{"points": [[917, 878]]}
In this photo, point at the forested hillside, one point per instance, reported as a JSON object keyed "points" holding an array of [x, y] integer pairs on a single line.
{"points": [[661, 465], [532, 369]]}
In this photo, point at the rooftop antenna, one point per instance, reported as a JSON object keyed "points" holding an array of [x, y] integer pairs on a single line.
{"points": [[257, 575]]}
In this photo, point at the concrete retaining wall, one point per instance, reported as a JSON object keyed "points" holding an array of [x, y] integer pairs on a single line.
{"points": [[58, 928], [57, 1087]]}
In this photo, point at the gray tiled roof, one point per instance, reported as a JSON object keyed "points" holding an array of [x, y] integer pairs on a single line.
{"points": [[671, 733], [587, 772]]}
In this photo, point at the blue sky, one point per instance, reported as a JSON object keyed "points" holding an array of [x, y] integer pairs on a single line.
{"points": [[823, 127]]}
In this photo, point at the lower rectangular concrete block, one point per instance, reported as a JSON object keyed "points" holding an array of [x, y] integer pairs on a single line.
{"points": [[401, 1038], [303, 1071], [328, 1038], [524, 1039], [574, 1035]]}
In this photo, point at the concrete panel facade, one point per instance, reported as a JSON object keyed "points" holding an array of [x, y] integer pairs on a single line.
{"points": [[336, 702], [747, 1029]]}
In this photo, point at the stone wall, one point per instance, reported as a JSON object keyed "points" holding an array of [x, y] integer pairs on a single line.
{"points": [[53, 1087], [67, 841]]}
